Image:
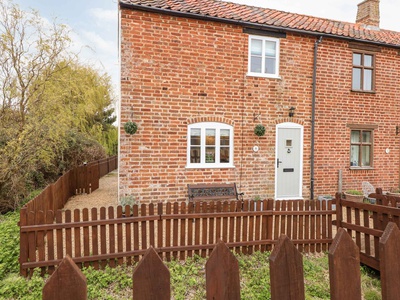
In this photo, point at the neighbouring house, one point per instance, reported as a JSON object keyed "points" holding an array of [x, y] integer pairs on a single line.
{"points": [[197, 77]]}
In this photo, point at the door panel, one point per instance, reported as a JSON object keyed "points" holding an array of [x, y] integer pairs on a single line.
{"points": [[288, 162]]}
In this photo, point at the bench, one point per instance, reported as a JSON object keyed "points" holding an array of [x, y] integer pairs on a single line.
{"points": [[213, 191]]}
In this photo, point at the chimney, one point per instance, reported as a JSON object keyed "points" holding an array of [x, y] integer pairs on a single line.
{"points": [[368, 13]]}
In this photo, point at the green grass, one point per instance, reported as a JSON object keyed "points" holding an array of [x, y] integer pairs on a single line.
{"points": [[187, 277]]}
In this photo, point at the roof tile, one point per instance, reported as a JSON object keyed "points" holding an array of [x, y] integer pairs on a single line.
{"points": [[270, 17]]}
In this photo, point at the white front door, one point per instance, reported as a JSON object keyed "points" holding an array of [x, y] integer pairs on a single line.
{"points": [[289, 161]]}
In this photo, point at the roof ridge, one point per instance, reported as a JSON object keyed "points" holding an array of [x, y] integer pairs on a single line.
{"points": [[250, 14]]}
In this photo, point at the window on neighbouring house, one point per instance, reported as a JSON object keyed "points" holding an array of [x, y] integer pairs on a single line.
{"points": [[210, 145], [361, 148], [363, 72], [263, 56]]}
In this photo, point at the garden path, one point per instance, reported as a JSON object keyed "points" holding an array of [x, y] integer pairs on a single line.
{"points": [[106, 195]]}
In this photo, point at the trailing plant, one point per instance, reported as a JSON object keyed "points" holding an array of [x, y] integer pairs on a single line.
{"points": [[130, 127], [259, 130]]}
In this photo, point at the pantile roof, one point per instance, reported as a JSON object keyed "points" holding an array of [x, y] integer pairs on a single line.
{"points": [[265, 17]]}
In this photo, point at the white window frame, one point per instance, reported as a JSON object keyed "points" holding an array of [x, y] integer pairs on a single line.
{"points": [[262, 73], [210, 125]]}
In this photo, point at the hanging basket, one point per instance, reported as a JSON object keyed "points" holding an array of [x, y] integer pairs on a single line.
{"points": [[259, 130], [130, 127]]}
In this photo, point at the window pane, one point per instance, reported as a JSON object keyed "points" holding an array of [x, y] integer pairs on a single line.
{"points": [[255, 64], [367, 80], [270, 65], [366, 150], [224, 155], [195, 136], [210, 155], [356, 79], [210, 136], [355, 136], [366, 136], [270, 48], [354, 155], [195, 154], [256, 47], [224, 137], [356, 59], [368, 60]]}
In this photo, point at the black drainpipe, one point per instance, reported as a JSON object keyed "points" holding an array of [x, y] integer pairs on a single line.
{"points": [[314, 85]]}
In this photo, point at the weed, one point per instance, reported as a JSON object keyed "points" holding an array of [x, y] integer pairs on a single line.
{"points": [[110, 283], [9, 243], [316, 276], [254, 275], [17, 287], [188, 278]]}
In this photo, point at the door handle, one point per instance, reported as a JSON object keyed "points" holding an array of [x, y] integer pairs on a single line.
{"points": [[278, 162]]}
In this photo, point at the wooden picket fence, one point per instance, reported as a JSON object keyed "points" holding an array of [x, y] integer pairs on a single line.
{"points": [[151, 278], [366, 223], [107, 236], [83, 179]]}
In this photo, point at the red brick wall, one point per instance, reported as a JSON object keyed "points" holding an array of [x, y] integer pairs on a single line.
{"points": [[177, 70]]}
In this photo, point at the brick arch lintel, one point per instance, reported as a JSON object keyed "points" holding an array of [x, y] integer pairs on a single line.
{"points": [[289, 119], [210, 118]]}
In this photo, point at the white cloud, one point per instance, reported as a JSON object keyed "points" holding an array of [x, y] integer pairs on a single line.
{"points": [[98, 43], [104, 15]]}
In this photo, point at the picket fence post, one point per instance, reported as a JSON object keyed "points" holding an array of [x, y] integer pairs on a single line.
{"points": [[286, 271], [344, 268], [389, 249], [151, 278], [222, 274], [66, 283]]}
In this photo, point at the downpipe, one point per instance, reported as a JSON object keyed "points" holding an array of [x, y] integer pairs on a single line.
{"points": [[314, 86]]}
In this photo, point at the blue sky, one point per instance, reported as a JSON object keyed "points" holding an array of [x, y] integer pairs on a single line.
{"points": [[94, 23]]}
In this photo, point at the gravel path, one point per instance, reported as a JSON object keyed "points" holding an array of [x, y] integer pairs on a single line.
{"points": [[106, 195]]}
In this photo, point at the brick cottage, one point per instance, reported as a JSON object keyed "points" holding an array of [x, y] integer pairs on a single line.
{"points": [[198, 76]]}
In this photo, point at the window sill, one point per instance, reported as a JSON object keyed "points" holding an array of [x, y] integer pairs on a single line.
{"points": [[362, 91], [207, 166], [361, 168], [263, 75]]}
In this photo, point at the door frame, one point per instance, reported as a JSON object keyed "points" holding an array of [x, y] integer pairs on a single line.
{"points": [[290, 125]]}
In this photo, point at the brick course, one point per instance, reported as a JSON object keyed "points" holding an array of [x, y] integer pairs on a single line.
{"points": [[176, 71]]}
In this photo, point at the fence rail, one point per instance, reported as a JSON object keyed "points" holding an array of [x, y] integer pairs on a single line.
{"points": [[107, 236], [151, 278], [83, 179], [366, 223]]}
